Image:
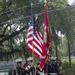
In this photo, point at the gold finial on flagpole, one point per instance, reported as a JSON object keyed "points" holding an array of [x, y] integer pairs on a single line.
{"points": [[31, 4], [45, 1]]}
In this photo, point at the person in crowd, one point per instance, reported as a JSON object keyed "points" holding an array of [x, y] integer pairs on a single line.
{"points": [[52, 67], [38, 71], [30, 70], [46, 67], [19, 70]]}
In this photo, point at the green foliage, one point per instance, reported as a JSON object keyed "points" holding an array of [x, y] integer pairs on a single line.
{"points": [[57, 4], [62, 20], [66, 69]]}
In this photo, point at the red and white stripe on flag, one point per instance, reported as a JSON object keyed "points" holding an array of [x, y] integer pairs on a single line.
{"points": [[34, 42]]}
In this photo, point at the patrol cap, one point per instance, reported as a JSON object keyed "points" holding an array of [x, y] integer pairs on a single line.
{"points": [[53, 58], [18, 60], [30, 58]]}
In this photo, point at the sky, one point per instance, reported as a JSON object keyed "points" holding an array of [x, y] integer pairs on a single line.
{"points": [[70, 1]]}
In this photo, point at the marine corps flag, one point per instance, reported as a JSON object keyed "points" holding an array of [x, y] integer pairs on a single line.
{"points": [[47, 40]]}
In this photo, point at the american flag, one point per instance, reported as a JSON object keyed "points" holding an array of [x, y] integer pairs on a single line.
{"points": [[34, 38]]}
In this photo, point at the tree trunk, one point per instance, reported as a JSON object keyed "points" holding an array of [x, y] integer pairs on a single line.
{"points": [[56, 52], [69, 53]]}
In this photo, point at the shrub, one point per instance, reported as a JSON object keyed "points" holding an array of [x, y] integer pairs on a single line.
{"points": [[66, 69]]}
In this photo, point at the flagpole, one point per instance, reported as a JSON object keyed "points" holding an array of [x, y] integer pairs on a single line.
{"points": [[33, 36], [50, 30], [32, 43], [45, 3], [46, 65], [48, 19]]}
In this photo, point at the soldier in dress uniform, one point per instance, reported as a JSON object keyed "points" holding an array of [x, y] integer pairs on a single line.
{"points": [[52, 67], [38, 71], [19, 70], [30, 69]]}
